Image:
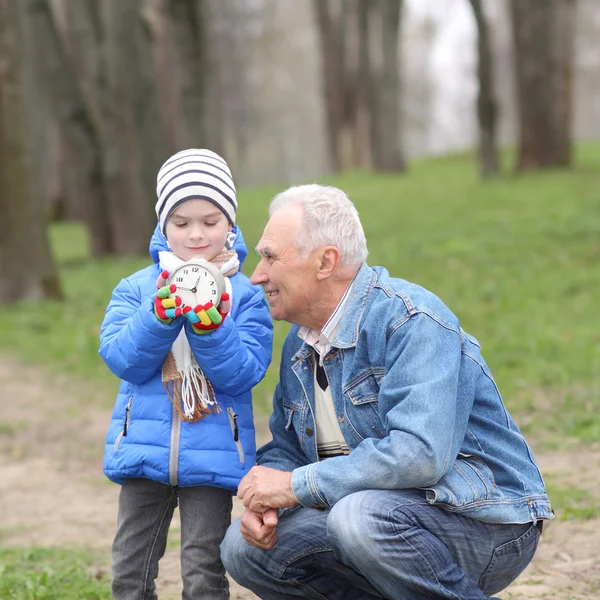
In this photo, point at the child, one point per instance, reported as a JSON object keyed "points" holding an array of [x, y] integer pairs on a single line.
{"points": [[189, 448]]}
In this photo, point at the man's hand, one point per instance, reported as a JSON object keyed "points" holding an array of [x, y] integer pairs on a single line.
{"points": [[263, 488], [259, 528]]}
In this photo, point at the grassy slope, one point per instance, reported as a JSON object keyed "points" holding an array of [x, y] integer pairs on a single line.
{"points": [[516, 259]]}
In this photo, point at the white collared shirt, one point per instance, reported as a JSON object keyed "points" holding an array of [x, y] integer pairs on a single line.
{"points": [[321, 340], [330, 439]]}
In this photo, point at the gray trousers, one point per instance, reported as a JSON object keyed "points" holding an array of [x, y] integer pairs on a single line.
{"points": [[145, 512]]}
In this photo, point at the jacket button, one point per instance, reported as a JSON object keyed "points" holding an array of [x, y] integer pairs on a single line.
{"points": [[342, 419], [309, 431]]}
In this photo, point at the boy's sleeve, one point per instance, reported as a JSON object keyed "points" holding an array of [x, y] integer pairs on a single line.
{"points": [[133, 342], [235, 357]]}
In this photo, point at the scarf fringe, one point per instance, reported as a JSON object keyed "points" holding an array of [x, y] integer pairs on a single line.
{"points": [[197, 406]]}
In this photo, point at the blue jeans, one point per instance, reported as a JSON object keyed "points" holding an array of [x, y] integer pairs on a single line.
{"points": [[381, 544], [145, 512]]}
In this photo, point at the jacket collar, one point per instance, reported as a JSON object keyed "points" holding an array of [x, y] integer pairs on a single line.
{"points": [[346, 334]]}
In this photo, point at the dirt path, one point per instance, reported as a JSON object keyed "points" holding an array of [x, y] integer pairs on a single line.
{"points": [[53, 493]]}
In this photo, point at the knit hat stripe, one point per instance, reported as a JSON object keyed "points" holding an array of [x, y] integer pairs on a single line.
{"points": [[193, 189], [177, 176], [194, 174], [190, 162], [194, 153]]}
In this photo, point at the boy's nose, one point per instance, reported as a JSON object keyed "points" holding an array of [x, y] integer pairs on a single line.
{"points": [[197, 232]]}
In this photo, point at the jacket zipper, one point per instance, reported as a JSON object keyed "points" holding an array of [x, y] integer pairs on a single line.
{"points": [[174, 447], [235, 432], [123, 433]]}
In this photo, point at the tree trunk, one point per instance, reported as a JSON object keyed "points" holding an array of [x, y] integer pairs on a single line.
{"points": [[83, 148], [188, 53], [363, 92], [487, 108], [130, 182], [543, 42], [385, 117], [27, 271], [147, 115], [331, 32]]}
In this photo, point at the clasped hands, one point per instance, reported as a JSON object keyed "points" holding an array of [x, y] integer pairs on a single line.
{"points": [[263, 491], [203, 317]]}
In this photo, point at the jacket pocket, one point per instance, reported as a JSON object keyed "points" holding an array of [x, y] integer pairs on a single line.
{"points": [[362, 405], [235, 432], [289, 412], [123, 432], [469, 481]]}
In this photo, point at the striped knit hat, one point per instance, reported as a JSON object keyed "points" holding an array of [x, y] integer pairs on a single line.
{"points": [[194, 175]]}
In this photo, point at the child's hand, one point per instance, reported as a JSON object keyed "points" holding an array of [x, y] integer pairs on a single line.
{"points": [[166, 308], [207, 318]]}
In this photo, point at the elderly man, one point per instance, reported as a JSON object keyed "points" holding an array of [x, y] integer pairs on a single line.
{"points": [[395, 471]]}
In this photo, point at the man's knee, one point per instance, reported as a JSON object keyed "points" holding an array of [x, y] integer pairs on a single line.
{"points": [[349, 526], [358, 523]]}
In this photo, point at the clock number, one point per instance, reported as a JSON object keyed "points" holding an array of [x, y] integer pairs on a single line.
{"points": [[214, 292], [185, 271], [212, 283], [179, 279], [195, 269]]}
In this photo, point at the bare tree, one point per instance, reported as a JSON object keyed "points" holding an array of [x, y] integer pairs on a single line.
{"points": [[385, 112], [82, 142], [487, 106], [27, 271], [331, 27], [361, 81], [131, 126], [192, 73], [543, 42]]}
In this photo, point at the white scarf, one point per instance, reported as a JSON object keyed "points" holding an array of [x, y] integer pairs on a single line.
{"points": [[194, 383]]}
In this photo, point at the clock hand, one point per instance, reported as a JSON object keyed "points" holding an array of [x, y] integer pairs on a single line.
{"points": [[195, 288]]}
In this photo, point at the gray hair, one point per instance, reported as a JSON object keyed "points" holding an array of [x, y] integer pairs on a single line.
{"points": [[328, 219]]}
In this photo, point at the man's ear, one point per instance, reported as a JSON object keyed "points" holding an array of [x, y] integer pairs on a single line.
{"points": [[329, 260]]}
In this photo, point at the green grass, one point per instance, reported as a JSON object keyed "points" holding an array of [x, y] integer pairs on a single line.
{"points": [[52, 574], [572, 503], [516, 258]]}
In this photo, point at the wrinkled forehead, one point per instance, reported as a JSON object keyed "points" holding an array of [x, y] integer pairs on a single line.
{"points": [[281, 230]]}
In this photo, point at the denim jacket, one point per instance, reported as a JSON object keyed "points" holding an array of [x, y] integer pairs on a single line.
{"points": [[417, 406]]}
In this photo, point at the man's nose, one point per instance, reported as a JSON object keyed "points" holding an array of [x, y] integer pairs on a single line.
{"points": [[258, 276]]}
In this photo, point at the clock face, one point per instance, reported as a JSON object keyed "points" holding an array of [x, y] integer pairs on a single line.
{"points": [[198, 283]]}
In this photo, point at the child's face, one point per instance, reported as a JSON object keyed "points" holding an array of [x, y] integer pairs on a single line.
{"points": [[197, 229]]}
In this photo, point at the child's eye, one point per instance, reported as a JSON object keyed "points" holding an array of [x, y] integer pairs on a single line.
{"points": [[210, 224], [180, 225]]}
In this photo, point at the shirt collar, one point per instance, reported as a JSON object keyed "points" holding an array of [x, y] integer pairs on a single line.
{"points": [[321, 340]]}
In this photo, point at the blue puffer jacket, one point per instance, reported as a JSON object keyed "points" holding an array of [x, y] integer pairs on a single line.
{"points": [[146, 437]]}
